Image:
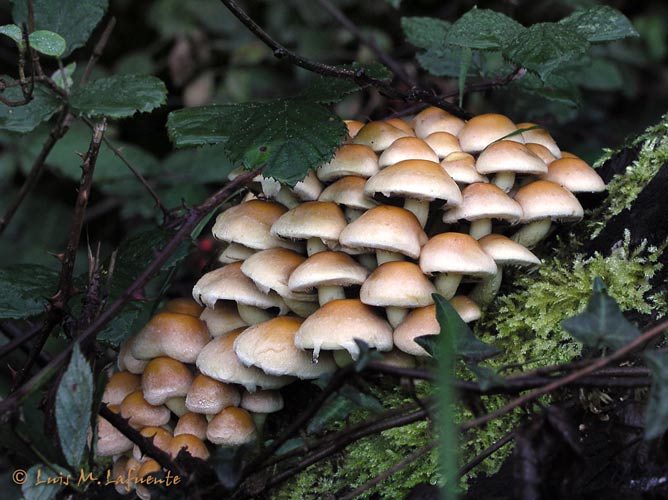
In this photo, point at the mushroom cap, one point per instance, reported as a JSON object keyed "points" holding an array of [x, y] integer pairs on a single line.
{"points": [[120, 385], [179, 336], [484, 201], [271, 269], [399, 284], [270, 346], [126, 361], [231, 427], [110, 441], [313, 219], [141, 413], [336, 324], [348, 191], [461, 167], [545, 199], [574, 175], [209, 396], [509, 156], [379, 135], [262, 401], [183, 305], [161, 439], [385, 228], [354, 126], [401, 125], [309, 188], [223, 319], [234, 252], [506, 251], [250, 223], [191, 423], [165, 378], [218, 361], [466, 307], [482, 130], [433, 119], [443, 143], [416, 179], [406, 148], [191, 443], [541, 152], [417, 323], [327, 268], [350, 159], [229, 283], [540, 136], [456, 253]]}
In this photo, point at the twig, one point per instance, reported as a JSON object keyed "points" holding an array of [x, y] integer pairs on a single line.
{"points": [[18, 339], [370, 42], [495, 83], [487, 452], [415, 94], [98, 50]]}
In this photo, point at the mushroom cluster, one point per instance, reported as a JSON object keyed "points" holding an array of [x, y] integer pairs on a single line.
{"points": [[405, 208]]}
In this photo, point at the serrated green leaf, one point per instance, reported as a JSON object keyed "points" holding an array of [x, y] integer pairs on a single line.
{"points": [[63, 78], [600, 23], [425, 32], [444, 61], [555, 88], [656, 414], [36, 485], [27, 117], [74, 402], [602, 323], [483, 29], [125, 323], [24, 289], [199, 126], [48, 43], [13, 32], [74, 20], [544, 47], [325, 90], [599, 74], [119, 96]]}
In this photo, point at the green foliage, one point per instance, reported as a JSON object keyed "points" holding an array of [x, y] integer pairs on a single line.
{"points": [[119, 96], [600, 24], [24, 289], [483, 29], [425, 32], [34, 489], [43, 41], [656, 415], [26, 118], [74, 402]]}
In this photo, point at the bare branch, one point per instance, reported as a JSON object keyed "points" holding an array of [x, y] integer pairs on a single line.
{"points": [[98, 50]]}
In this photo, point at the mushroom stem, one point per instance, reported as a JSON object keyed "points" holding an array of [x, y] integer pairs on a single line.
{"points": [[395, 315], [447, 283], [342, 358], [300, 307], [253, 315], [327, 293], [504, 181], [314, 246], [352, 213], [529, 235], [259, 419], [177, 406], [383, 256], [286, 197], [368, 260], [419, 208], [485, 291], [480, 228]]}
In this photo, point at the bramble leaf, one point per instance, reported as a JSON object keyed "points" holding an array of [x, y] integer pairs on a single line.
{"points": [[36, 485], [27, 117], [425, 32], [483, 29], [600, 23], [24, 289]]}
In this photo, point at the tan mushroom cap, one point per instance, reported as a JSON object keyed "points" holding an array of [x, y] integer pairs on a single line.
{"points": [[191, 443], [250, 223], [415, 179], [406, 148], [160, 437], [209, 396], [271, 347], [566, 154], [398, 283], [353, 126], [148, 468], [466, 307], [110, 441], [482, 130], [165, 378], [541, 152], [574, 175], [229, 283], [509, 156], [234, 252], [379, 135], [506, 251], [178, 336], [461, 167], [456, 253], [120, 385], [387, 228], [231, 427], [223, 319], [262, 401], [126, 361], [309, 188], [336, 324], [271, 269], [540, 136], [313, 219], [141, 413], [218, 361], [191, 423], [433, 119], [350, 159], [443, 143], [348, 191], [183, 305], [118, 475], [401, 125], [548, 200], [484, 201], [327, 268]]}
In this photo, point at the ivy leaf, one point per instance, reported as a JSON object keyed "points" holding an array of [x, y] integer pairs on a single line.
{"points": [[48, 43], [335, 409], [361, 399], [74, 402], [483, 29], [74, 20], [366, 355], [487, 377], [656, 415], [36, 486], [544, 47], [425, 32], [600, 23], [27, 117], [119, 96], [602, 323], [13, 32], [24, 289]]}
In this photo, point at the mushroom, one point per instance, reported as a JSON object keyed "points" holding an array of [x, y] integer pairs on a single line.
{"points": [[223, 319], [506, 159], [120, 385], [574, 175], [482, 130], [165, 378], [191, 423], [231, 427], [110, 441], [209, 396], [461, 167], [126, 361], [406, 148], [433, 119], [539, 135], [349, 192], [192, 444], [350, 159], [353, 126], [142, 414], [443, 143], [260, 404], [183, 305], [158, 436], [379, 135]]}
